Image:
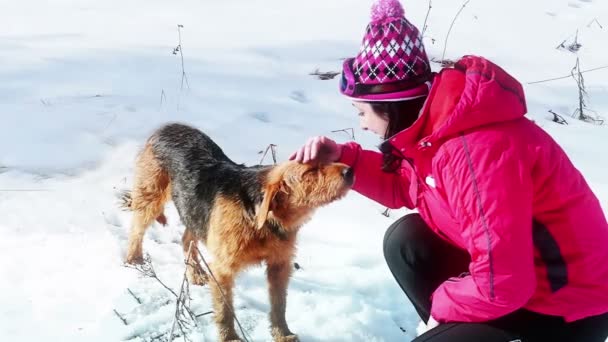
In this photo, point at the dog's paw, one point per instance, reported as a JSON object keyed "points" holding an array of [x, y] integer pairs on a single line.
{"points": [[134, 259], [283, 334], [197, 277], [287, 338]]}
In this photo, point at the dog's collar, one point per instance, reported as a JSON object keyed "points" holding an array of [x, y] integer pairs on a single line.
{"points": [[278, 230]]}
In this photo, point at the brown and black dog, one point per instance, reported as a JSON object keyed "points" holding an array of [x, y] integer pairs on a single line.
{"points": [[243, 215]]}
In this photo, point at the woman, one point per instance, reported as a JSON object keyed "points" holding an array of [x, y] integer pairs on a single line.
{"points": [[509, 241]]}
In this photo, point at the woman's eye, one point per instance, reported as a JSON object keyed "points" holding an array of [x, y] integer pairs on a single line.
{"points": [[360, 114]]}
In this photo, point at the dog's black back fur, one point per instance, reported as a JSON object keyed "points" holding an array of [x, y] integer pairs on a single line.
{"points": [[199, 170]]}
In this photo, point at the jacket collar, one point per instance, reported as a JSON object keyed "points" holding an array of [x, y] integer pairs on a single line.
{"points": [[474, 93]]}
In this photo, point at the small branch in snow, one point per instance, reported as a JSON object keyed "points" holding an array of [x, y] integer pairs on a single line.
{"points": [[324, 75], [445, 46], [386, 212], [158, 338], [582, 110], [180, 49], [183, 313], [204, 314], [558, 118], [424, 26], [182, 305], [223, 295], [582, 92], [597, 22], [347, 130], [121, 317], [147, 270], [445, 63], [272, 149], [575, 46], [568, 76], [162, 97], [134, 296]]}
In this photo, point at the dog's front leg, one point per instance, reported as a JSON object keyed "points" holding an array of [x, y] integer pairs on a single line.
{"points": [[222, 303], [278, 279]]}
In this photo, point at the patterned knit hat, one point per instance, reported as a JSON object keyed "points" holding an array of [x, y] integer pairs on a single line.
{"points": [[392, 64]]}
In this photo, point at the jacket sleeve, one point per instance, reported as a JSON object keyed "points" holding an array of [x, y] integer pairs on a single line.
{"points": [[388, 189], [489, 188]]}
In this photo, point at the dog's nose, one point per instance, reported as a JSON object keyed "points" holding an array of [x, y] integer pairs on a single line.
{"points": [[349, 175]]}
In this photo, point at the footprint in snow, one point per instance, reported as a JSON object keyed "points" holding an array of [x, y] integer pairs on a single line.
{"points": [[260, 116], [298, 96]]}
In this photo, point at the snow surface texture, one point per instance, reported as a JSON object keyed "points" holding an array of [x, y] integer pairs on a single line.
{"points": [[85, 82]]}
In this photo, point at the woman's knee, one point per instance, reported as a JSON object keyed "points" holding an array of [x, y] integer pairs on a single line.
{"points": [[403, 234]]}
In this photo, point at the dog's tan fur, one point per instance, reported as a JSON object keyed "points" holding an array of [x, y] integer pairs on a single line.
{"points": [[151, 190], [236, 238]]}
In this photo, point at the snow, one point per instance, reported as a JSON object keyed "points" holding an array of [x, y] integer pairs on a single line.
{"points": [[85, 82]]}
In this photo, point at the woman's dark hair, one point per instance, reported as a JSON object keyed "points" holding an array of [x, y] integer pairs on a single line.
{"points": [[400, 115]]}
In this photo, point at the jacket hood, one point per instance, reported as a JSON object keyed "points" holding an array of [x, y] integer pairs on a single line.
{"points": [[474, 93]]}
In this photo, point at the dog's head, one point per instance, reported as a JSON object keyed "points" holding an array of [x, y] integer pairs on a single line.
{"points": [[292, 191]]}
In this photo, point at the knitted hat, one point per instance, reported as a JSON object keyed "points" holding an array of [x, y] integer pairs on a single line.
{"points": [[392, 64]]}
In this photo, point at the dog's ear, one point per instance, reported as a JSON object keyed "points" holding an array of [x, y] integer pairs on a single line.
{"points": [[270, 191]]}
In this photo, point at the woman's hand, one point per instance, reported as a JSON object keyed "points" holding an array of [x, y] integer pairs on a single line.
{"points": [[318, 149]]}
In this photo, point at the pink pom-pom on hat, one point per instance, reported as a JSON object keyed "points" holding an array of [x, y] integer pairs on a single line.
{"points": [[386, 9], [392, 64]]}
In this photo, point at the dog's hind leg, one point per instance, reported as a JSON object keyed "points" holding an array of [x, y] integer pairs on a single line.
{"points": [[150, 193], [196, 274]]}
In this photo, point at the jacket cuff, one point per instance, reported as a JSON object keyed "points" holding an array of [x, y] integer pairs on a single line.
{"points": [[350, 153]]}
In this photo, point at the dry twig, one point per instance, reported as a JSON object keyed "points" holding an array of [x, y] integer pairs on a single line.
{"points": [[424, 26], [324, 75], [124, 321], [445, 46], [272, 149], [350, 131], [223, 295], [182, 305], [558, 118]]}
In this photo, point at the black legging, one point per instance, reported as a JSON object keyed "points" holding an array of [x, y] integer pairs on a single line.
{"points": [[420, 261]]}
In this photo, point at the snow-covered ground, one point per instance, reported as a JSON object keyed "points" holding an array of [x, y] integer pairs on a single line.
{"points": [[85, 82]]}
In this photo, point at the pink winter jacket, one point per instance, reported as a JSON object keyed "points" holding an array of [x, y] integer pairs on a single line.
{"points": [[492, 182]]}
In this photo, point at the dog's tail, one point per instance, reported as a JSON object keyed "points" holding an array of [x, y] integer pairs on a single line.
{"points": [[125, 201]]}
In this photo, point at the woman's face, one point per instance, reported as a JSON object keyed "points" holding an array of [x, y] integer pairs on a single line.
{"points": [[370, 120]]}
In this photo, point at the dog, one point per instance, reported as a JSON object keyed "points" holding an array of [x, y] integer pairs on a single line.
{"points": [[243, 215]]}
